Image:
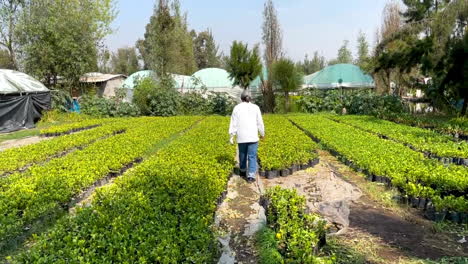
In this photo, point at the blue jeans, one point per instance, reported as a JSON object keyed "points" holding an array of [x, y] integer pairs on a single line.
{"points": [[248, 152]]}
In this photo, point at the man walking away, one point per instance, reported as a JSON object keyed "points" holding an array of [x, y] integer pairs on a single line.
{"points": [[246, 124]]}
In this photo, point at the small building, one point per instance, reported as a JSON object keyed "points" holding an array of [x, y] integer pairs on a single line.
{"points": [[106, 84]]}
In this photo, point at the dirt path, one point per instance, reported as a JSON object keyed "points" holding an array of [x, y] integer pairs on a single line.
{"points": [[20, 142], [238, 218], [387, 235]]}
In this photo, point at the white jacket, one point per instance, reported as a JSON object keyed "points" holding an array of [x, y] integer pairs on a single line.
{"points": [[246, 123]]}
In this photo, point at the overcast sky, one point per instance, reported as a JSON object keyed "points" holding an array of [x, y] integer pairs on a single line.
{"points": [[307, 25]]}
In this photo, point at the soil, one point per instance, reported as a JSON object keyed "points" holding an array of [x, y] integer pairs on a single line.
{"points": [[339, 194], [20, 142]]}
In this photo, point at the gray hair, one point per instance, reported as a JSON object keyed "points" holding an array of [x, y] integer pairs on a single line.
{"points": [[245, 96]]}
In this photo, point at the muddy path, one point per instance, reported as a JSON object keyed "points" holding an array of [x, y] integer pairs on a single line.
{"points": [[363, 220]]}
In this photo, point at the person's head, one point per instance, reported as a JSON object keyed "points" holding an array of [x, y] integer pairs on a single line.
{"points": [[246, 97]]}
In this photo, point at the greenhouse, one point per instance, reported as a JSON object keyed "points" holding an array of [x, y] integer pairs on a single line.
{"points": [[216, 80], [22, 100], [340, 76]]}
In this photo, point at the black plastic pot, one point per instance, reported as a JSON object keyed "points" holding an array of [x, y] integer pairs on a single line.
{"points": [[464, 162], [295, 168], [440, 216], [304, 166], [272, 174], [285, 173], [313, 162], [414, 202], [454, 217], [422, 203], [430, 214], [464, 218], [262, 173]]}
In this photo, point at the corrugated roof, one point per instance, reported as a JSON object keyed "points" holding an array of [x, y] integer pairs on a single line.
{"points": [[97, 77]]}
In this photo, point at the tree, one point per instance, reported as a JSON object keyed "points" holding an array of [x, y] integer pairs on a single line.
{"points": [[272, 40], [316, 64], [63, 37], [205, 50], [168, 46], [363, 58], [344, 55], [391, 24], [125, 61], [104, 60], [244, 65], [10, 12], [286, 78], [432, 39]]}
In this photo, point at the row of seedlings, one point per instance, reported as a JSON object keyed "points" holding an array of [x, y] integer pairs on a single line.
{"points": [[455, 127], [435, 187], [47, 190], [161, 211], [291, 235], [285, 149], [432, 144], [15, 159], [69, 128]]}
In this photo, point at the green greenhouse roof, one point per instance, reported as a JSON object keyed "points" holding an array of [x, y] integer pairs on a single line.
{"points": [[214, 78], [340, 75], [129, 83]]}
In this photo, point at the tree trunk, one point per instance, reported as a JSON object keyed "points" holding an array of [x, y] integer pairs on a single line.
{"points": [[268, 97], [465, 104], [286, 103]]}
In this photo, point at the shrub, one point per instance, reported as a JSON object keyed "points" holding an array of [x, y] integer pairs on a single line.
{"points": [[103, 107], [193, 103], [221, 104], [157, 97]]}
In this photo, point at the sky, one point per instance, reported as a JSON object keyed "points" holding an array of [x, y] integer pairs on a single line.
{"points": [[307, 25]]}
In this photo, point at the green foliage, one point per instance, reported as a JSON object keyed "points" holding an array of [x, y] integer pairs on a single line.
{"points": [[434, 40], [408, 170], [206, 51], [361, 103], [286, 78], [268, 247], [156, 97], [344, 55], [10, 13], [363, 59], [18, 158], [62, 37], [285, 145], [44, 189], [220, 104], [167, 46], [244, 65], [103, 107], [193, 103], [297, 234], [421, 139], [163, 203], [125, 61], [309, 66]]}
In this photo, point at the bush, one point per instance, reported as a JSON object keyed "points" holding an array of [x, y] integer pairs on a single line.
{"points": [[157, 97], [103, 107], [359, 103], [193, 103], [221, 104]]}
